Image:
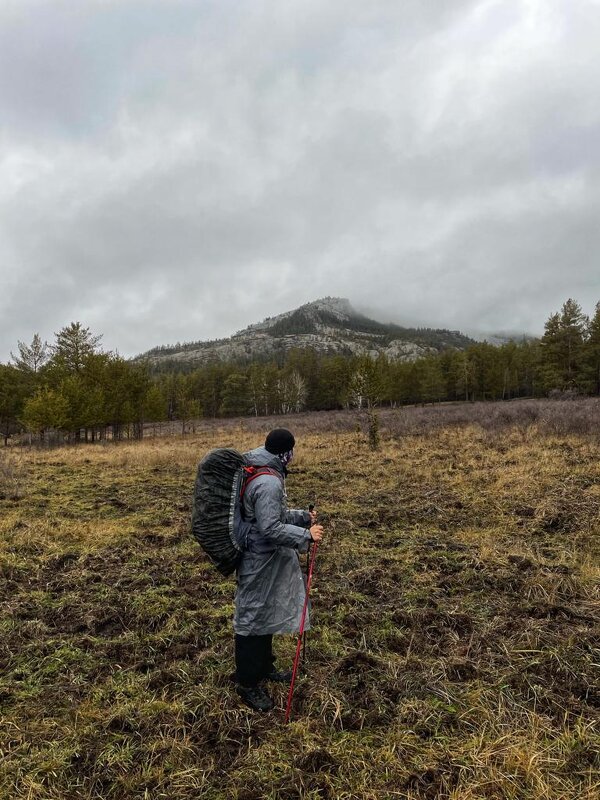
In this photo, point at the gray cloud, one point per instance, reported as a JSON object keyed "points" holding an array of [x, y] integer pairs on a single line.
{"points": [[176, 170]]}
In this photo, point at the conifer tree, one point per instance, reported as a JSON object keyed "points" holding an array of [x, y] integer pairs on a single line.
{"points": [[74, 344], [189, 410], [551, 354], [31, 357], [48, 408], [270, 396], [433, 385], [591, 357], [562, 348], [209, 387], [15, 388], [79, 404], [529, 369], [405, 383], [509, 370], [235, 396], [333, 381], [117, 408], [463, 375], [573, 324], [155, 404]]}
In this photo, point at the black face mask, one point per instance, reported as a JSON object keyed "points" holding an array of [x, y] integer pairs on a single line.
{"points": [[285, 459]]}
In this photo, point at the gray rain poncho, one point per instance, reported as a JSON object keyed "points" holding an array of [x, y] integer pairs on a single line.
{"points": [[270, 585]]}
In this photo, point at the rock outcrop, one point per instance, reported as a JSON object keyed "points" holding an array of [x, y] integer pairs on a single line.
{"points": [[330, 326]]}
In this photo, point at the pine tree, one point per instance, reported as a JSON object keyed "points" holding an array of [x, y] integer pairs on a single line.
{"points": [[47, 409], [208, 387], [333, 381], [405, 383], [551, 352], [32, 357], [117, 408], [573, 323], [529, 369], [433, 384], [79, 411], [591, 355], [508, 358], [485, 375], [189, 410], [15, 388], [236, 399], [562, 348], [463, 376], [270, 375], [155, 404], [74, 344]]}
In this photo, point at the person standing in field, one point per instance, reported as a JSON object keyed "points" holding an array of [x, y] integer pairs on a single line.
{"points": [[270, 585]]}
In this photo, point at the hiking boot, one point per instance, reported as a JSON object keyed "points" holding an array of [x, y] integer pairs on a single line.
{"points": [[280, 677], [255, 697]]}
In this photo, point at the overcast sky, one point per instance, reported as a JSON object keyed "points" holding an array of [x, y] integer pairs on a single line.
{"points": [[177, 170]]}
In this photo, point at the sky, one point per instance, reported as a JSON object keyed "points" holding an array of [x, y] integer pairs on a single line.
{"points": [[174, 170]]}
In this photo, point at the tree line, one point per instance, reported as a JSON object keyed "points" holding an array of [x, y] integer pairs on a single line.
{"points": [[72, 389]]}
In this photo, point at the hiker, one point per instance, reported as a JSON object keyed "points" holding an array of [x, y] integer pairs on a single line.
{"points": [[270, 585]]}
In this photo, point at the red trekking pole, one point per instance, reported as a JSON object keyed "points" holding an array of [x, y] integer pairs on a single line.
{"points": [[301, 633], [311, 508]]}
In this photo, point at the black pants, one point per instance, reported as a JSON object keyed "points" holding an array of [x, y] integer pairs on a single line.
{"points": [[254, 658]]}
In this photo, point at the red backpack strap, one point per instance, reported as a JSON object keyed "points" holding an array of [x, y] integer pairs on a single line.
{"points": [[256, 472]]}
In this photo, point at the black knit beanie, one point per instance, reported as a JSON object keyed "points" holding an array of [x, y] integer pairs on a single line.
{"points": [[279, 441]]}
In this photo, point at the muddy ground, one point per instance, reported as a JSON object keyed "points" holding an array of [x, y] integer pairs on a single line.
{"points": [[456, 636]]}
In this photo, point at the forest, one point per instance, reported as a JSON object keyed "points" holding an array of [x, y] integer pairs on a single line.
{"points": [[73, 390]]}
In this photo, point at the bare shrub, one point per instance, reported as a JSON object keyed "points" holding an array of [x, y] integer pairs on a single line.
{"points": [[550, 417], [569, 414], [374, 437], [563, 394], [11, 478], [580, 417]]}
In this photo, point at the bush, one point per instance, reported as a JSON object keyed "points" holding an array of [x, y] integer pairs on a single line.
{"points": [[11, 478], [374, 438]]}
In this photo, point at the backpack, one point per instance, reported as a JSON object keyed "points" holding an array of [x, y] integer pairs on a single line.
{"points": [[218, 522]]}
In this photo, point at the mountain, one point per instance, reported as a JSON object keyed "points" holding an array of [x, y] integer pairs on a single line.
{"points": [[329, 325], [501, 338]]}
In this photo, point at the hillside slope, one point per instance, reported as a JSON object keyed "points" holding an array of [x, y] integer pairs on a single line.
{"points": [[329, 325]]}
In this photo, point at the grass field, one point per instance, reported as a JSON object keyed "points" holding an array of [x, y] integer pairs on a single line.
{"points": [[456, 643]]}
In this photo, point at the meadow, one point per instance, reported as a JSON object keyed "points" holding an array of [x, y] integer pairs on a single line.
{"points": [[455, 651]]}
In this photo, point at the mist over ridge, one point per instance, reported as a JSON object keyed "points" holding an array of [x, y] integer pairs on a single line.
{"points": [[329, 325]]}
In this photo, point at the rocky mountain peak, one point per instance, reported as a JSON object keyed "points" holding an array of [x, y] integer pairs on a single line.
{"points": [[336, 309], [329, 325], [338, 306]]}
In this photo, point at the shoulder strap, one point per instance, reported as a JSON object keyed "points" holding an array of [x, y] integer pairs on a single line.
{"points": [[256, 472]]}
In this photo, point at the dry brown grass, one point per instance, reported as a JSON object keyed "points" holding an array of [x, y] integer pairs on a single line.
{"points": [[456, 643]]}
